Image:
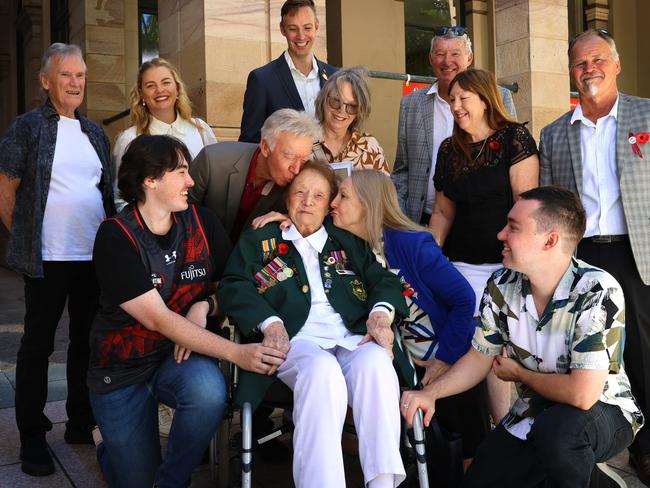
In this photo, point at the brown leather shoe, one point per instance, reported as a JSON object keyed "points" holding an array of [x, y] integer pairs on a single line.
{"points": [[641, 464]]}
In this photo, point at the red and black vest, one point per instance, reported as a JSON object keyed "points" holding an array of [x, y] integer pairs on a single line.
{"points": [[123, 351]]}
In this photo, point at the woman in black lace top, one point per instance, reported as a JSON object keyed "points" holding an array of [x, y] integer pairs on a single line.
{"points": [[480, 171]]}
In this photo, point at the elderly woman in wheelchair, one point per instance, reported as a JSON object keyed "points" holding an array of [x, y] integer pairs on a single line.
{"points": [[317, 293]]}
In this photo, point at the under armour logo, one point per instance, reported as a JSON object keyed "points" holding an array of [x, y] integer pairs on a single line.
{"points": [[170, 259]]}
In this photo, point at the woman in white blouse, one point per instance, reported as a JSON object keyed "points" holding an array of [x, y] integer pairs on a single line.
{"points": [[160, 106]]}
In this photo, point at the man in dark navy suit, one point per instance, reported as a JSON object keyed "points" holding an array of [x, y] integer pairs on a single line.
{"points": [[291, 81]]}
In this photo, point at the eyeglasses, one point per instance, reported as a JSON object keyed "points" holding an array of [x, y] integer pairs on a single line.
{"points": [[450, 30], [336, 104], [602, 33]]}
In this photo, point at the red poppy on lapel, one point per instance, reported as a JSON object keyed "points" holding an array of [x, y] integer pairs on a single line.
{"points": [[494, 145], [642, 137], [283, 248], [635, 147]]}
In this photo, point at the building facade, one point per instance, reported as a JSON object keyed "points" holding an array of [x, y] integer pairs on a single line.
{"points": [[215, 43]]}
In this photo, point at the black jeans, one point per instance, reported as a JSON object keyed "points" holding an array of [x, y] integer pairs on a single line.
{"points": [[44, 301], [561, 449], [616, 258]]}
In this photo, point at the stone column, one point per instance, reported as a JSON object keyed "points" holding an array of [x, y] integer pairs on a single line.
{"points": [[531, 40], [378, 44], [216, 43], [479, 23], [98, 27], [597, 13], [29, 23]]}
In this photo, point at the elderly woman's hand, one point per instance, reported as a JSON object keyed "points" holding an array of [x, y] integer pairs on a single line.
{"points": [[276, 337], [262, 220], [379, 330]]}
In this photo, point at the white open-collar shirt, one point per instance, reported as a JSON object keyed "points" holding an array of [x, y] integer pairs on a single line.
{"points": [[601, 192]]}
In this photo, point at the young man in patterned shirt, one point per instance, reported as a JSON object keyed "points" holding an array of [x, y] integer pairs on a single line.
{"points": [[555, 326]]}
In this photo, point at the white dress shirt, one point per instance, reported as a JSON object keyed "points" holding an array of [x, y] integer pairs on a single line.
{"points": [[324, 325], [307, 86], [443, 125], [601, 192]]}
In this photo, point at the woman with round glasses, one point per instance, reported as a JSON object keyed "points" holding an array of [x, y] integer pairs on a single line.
{"points": [[342, 106]]}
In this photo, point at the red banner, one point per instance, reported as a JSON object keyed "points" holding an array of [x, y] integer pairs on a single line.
{"points": [[411, 87]]}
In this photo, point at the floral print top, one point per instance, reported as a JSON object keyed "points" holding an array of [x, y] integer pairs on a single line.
{"points": [[362, 149]]}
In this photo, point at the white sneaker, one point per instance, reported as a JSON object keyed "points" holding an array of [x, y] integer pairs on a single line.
{"points": [[97, 436], [165, 417]]}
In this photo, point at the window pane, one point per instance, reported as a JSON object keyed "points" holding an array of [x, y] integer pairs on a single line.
{"points": [[148, 36], [420, 18]]}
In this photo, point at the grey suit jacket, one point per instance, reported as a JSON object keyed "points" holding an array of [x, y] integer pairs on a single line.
{"points": [[561, 164], [412, 169], [219, 172]]}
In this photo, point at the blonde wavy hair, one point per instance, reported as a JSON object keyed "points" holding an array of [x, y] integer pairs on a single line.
{"points": [[379, 197], [140, 115]]}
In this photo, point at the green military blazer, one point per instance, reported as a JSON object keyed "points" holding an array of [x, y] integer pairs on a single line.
{"points": [[245, 298]]}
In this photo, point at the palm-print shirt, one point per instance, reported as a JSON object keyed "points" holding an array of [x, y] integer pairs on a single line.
{"points": [[582, 327], [363, 150]]}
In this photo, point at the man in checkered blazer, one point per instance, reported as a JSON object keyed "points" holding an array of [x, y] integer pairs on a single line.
{"points": [[599, 151], [425, 120]]}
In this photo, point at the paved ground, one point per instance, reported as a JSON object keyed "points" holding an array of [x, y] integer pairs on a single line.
{"points": [[76, 466]]}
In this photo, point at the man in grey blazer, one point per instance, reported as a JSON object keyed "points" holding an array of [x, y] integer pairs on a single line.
{"points": [[599, 151], [425, 120], [240, 181]]}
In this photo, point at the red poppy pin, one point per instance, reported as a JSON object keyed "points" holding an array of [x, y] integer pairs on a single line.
{"points": [[635, 141], [494, 145], [283, 248]]}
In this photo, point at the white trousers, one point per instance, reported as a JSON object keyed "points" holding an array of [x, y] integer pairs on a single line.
{"points": [[324, 383]]}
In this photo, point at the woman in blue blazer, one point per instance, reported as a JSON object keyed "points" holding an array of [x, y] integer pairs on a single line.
{"points": [[440, 326]]}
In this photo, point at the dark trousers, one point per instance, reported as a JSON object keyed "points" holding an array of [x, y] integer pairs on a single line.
{"points": [[44, 301], [616, 258], [561, 449]]}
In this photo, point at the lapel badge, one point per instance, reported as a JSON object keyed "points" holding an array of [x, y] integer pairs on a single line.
{"points": [[358, 290], [634, 141], [283, 248]]}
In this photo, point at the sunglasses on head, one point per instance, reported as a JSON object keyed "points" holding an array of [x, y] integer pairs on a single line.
{"points": [[336, 104], [602, 33], [450, 30]]}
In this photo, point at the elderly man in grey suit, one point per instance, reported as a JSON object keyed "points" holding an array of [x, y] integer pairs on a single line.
{"points": [[598, 151], [240, 181], [425, 120]]}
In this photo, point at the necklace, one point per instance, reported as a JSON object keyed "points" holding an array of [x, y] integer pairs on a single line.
{"points": [[481, 151]]}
